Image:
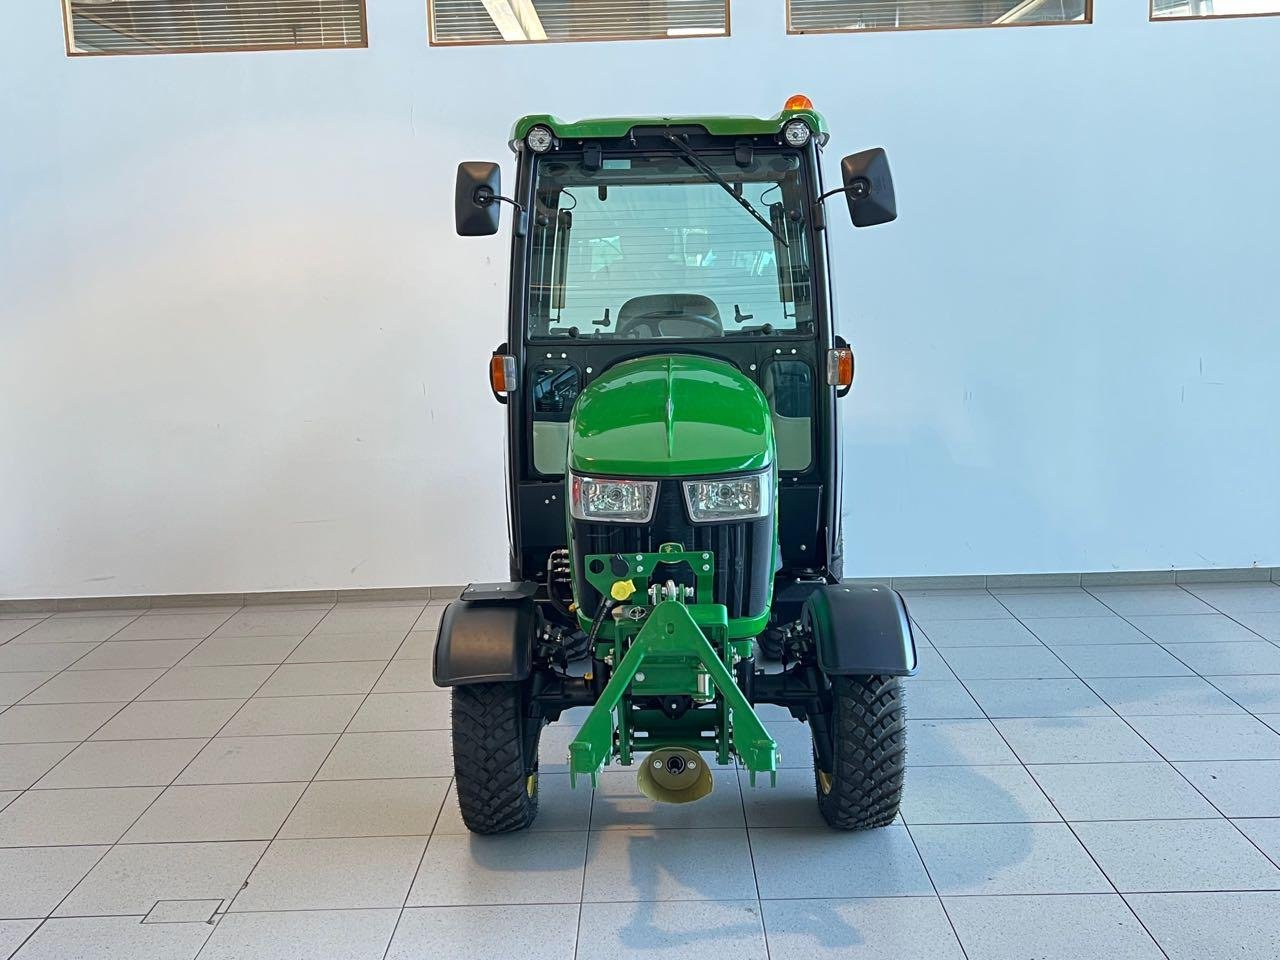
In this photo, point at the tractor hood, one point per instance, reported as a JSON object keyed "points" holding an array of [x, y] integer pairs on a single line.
{"points": [[669, 416]]}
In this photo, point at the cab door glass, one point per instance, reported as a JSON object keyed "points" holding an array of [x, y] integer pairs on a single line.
{"points": [[788, 385], [555, 387]]}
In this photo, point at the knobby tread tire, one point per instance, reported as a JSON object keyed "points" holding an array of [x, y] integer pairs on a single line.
{"points": [[770, 643], [869, 725], [489, 764]]}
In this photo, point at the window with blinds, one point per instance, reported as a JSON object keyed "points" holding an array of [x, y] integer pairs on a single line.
{"points": [[96, 27], [1198, 9], [837, 16], [541, 21]]}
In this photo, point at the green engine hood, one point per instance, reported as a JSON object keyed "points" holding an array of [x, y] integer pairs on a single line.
{"points": [[670, 416]]}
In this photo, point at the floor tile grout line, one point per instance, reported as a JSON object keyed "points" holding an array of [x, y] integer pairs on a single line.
{"points": [[27, 939], [319, 767], [1156, 750], [404, 904], [586, 859], [39, 618], [937, 895], [794, 899], [144, 811], [1024, 765], [1209, 800], [1233, 618], [990, 720], [1209, 679], [1080, 842], [1165, 646], [751, 854], [610, 829], [577, 928], [444, 798], [128, 622], [124, 705], [1116, 889]]}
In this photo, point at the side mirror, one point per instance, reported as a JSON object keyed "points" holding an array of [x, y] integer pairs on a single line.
{"points": [[475, 200], [868, 186]]}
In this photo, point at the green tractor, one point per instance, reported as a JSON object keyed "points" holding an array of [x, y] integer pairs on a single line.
{"points": [[671, 376]]}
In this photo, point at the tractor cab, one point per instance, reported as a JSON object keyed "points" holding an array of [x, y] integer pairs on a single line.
{"points": [[702, 237], [671, 371]]}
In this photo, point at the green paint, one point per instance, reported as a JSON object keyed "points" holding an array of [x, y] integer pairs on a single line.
{"points": [[670, 416], [642, 566], [672, 633], [609, 128]]}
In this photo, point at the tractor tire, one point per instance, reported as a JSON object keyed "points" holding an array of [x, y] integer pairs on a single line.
{"points": [[869, 734], [576, 647], [770, 644], [496, 783]]}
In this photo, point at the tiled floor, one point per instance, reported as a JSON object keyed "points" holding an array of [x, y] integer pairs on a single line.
{"points": [[1093, 773]]}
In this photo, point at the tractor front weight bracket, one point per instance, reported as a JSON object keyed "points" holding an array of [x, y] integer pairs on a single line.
{"points": [[670, 638]]}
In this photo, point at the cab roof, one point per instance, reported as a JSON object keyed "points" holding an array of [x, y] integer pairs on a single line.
{"points": [[608, 128]]}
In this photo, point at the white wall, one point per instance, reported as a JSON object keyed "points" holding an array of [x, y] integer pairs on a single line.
{"points": [[241, 348]]}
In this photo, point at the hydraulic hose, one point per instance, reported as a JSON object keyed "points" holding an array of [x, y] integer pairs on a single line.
{"points": [[552, 580], [607, 605]]}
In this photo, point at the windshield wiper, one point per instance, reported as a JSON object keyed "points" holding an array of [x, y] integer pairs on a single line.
{"points": [[710, 173]]}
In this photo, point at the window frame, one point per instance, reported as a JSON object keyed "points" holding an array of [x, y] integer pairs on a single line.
{"points": [[433, 42], [809, 232], [578, 366], [67, 35], [812, 32], [1199, 18], [814, 397]]}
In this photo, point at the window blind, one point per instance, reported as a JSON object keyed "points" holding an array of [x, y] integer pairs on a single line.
{"points": [[1190, 9], [182, 26], [525, 21], [824, 16]]}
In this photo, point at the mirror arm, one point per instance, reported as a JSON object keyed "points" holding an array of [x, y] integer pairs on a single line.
{"points": [[861, 186], [484, 196]]}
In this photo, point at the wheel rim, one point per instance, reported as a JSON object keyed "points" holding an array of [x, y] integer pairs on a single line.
{"points": [[531, 785], [824, 782]]}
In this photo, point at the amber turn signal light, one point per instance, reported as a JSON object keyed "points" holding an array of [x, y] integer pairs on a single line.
{"points": [[502, 373], [840, 367]]}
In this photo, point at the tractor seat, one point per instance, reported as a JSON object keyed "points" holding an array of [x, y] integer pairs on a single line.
{"points": [[669, 315]]}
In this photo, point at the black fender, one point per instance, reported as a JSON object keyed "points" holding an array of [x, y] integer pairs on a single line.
{"points": [[487, 635], [860, 630]]}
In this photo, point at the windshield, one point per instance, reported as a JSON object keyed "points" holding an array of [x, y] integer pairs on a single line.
{"points": [[650, 247]]}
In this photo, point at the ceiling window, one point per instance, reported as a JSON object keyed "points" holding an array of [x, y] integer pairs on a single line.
{"points": [[837, 16], [540, 21], [96, 27], [1196, 9]]}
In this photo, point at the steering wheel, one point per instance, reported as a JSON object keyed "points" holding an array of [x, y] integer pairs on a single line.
{"points": [[653, 320]]}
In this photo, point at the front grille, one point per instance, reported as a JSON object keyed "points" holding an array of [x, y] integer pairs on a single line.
{"points": [[742, 550]]}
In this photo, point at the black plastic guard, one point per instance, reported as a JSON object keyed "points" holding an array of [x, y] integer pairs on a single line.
{"points": [[861, 630], [487, 636]]}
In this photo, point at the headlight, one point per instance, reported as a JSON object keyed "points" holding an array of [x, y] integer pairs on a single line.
{"points": [[626, 501], [796, 133], [728, 498], [539, 139]]}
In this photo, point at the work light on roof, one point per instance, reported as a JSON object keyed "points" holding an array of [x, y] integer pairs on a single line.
{"points": [[797, 133], [539, 139]]}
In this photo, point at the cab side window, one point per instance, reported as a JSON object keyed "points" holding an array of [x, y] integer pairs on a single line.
{"points": [[788, 385], [555, 387]]}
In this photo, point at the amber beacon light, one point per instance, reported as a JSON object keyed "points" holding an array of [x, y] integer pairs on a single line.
{"points": [[798, 101]]}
